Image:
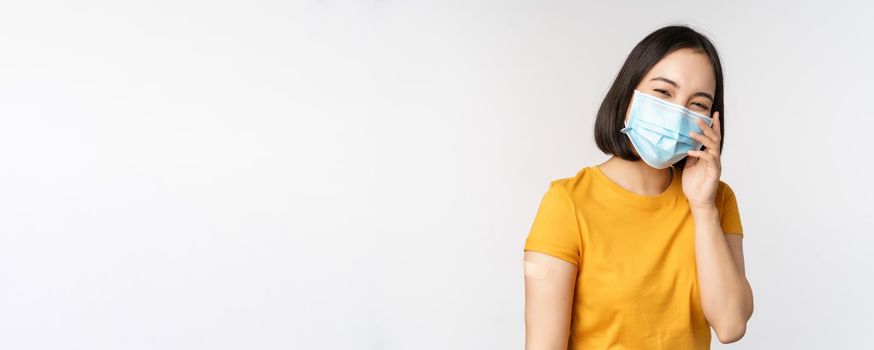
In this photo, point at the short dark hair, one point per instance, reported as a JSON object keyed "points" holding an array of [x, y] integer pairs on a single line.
{"points": [[645, 55]]}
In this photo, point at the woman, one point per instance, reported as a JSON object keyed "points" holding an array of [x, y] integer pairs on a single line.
{"points": [[644, 251]]}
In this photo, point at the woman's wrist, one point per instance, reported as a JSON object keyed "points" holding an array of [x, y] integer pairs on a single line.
{"points": [[703, 210]]}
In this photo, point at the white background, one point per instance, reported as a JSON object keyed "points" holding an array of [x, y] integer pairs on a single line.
{"points": [[362, 175]]}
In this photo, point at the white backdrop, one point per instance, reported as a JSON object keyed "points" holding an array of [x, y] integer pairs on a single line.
{"points": [[362, 175]]}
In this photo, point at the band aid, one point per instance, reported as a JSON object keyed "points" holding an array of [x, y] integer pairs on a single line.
{"points": [[536, 270]]}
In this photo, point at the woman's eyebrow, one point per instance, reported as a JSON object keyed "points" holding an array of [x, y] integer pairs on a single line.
{"points": [[669, 81], [703, 94]]}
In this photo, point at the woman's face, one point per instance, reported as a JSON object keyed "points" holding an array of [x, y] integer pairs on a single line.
{"points": [[683, 77]]}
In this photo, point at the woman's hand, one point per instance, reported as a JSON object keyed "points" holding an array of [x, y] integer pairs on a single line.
{"points": [[703, 168]]}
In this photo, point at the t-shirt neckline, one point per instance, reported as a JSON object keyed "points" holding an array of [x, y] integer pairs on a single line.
{"points": [[667, 196]]}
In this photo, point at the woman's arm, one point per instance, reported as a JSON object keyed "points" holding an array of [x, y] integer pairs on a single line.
{"points": [[726, 295], [549, 295]]}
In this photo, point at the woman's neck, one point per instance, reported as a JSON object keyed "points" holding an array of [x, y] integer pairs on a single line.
{"points": [[636, 176]]}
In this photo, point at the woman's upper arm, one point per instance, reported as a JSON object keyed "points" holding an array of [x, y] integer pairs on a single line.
{"points": [[549, 294]]}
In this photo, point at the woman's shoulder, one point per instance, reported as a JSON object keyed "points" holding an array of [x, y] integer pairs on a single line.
{"points": [[575, 184], [725, 196], [724, 189]]}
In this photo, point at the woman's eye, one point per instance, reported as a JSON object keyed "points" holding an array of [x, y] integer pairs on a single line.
{"points": [[663, 92], [703, 106]]}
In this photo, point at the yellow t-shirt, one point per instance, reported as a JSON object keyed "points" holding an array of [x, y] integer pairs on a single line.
{"points": [[637, 285]]}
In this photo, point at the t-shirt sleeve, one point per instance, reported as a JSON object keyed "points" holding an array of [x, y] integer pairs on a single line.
{"points": [[730, 213], [556, 230]]}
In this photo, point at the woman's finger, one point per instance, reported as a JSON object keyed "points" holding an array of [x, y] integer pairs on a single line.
{"points": [[703, 155], [708, 131], [706, 141], [717, 125]]}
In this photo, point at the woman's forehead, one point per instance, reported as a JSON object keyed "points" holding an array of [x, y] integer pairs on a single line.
{"points": [[689, 69]]}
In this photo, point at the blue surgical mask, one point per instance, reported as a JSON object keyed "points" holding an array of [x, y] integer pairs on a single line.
{"points": [[659, 130]]}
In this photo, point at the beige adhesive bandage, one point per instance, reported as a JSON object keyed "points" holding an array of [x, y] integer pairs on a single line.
{"points": [[536, 270]]}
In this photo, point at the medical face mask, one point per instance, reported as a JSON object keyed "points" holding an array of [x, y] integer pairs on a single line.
{"points": [[659, 130]]}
